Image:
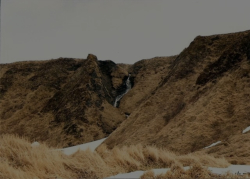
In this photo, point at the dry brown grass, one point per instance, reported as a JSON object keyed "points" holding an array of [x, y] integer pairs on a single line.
{"points": [[183, 102], [235, 149], [181, 113], [20, 160], [39, 100]]}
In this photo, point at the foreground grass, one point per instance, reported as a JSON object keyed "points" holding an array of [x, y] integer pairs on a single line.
{"points": [[19, 160]]}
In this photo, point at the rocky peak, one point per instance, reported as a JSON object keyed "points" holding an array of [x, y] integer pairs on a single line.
{"points": [[91, 57]]}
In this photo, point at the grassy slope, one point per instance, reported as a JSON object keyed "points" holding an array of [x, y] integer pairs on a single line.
{"points": [[182, 103], [203, 98], [63, 102]]}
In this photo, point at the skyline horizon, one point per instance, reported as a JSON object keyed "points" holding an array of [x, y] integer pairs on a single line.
{"points": [[83, 58], [121, 31]]}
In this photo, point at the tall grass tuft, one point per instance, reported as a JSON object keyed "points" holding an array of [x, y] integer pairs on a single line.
{"points": [[18, 159]]}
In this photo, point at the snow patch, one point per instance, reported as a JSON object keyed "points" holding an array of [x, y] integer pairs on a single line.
{"points": [[234, 169], [246, 130], [35, 144], [91, 145], [134, 175], [213, 144], [138, 174]]}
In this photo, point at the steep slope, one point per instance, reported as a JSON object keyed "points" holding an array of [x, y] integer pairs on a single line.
{"points": [[146, 75], [63, 102], [203, 97]]}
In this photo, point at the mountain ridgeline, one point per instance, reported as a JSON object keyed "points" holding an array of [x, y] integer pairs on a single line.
{"points": [[64, 101], [183, 103]]}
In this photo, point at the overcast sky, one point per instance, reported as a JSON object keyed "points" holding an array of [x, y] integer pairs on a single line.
{"points": [[124, 31]]}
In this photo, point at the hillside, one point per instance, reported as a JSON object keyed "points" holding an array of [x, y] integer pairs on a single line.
{"points": [[203, 97], [182, 103], [63, 102]]}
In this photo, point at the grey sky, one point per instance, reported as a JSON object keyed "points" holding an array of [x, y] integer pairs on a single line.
{"points": [[120, 30]]}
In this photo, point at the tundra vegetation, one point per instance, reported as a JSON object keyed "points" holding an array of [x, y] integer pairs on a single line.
{"points": [[181, 103]]}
